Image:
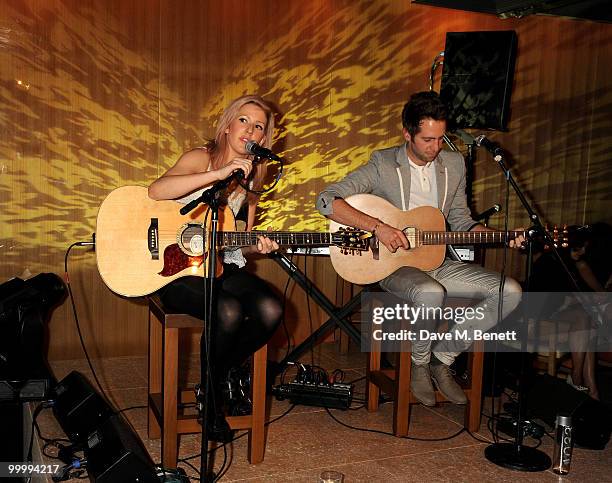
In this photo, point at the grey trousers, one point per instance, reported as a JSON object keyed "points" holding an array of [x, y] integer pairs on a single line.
{"points": [[453, 279]]}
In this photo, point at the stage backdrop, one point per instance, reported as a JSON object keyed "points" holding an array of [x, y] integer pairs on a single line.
{"points": [[96, 95]]}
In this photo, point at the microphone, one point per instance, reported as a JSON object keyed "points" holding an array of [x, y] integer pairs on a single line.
{"points": [[493, 148], [256, 150], [496, 208], [205, 196]]}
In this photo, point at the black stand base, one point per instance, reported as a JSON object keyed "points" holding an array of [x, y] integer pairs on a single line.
{"points": [[524, 459]]}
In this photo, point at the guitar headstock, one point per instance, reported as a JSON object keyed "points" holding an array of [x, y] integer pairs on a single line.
{"points": [[567, 236], [560, 237], [351, 240]]}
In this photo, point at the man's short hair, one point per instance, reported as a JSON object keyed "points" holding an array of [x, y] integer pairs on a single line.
{"points": [[423, 105]]}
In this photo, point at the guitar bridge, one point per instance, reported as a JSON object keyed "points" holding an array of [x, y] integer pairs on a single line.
{"points": [[153, 239]]}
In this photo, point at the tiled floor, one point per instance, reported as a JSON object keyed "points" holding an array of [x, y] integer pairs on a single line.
{"points": [[307, 440]]}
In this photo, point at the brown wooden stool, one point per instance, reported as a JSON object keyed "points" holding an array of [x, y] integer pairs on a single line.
{"points": [[395, 382], [165, 419]]}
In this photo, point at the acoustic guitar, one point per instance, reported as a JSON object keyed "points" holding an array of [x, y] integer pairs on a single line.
{"points": [[425, 228], [143, 244]]}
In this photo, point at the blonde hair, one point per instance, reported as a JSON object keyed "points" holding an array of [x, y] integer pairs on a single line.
{"points": [[216, 147]]}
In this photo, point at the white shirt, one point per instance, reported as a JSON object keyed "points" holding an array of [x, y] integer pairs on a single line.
{"points": [[423, 185]]}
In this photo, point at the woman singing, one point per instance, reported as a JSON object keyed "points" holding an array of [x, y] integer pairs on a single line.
{"points": [[247, 312]]}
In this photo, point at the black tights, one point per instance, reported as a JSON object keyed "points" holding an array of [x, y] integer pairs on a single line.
{"points": [[248, 313]]}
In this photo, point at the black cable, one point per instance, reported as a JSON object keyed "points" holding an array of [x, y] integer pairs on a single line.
{"points": [[76, 318], [191, 466], [78, 325], [277, 178], [40, 436], [130, 408], [356, 380], [35, 414], [212, 450], [223, 469], [377, 431], [281, 416]]}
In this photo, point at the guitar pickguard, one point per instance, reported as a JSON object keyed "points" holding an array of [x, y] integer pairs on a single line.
{"points": [[175, 261]]}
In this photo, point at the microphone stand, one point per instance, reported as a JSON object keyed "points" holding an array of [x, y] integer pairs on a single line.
{"points": [[210, 197], [514, 455]]}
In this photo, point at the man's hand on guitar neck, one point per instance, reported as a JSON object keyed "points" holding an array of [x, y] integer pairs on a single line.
{"points": [[517, 242], [391, 237]]}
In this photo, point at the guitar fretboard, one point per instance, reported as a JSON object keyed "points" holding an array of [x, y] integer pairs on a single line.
{"points": [[467, 237], [284, 238]]}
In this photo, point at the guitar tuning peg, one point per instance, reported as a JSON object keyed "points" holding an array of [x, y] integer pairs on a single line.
{"points": [[556, 235]]}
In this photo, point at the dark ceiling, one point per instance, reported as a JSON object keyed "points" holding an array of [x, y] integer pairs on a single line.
{"points": [[597, 10]]}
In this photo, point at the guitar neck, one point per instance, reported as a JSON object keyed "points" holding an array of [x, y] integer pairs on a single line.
{"points": [[283, 238], [467, 237]]}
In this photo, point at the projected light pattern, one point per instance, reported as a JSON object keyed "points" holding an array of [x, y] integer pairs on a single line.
{"points": [[87, 123], [92, 101], [340, 86]]}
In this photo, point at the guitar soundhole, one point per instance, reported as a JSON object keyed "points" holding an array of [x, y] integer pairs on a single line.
{"points": [[191, 239]]}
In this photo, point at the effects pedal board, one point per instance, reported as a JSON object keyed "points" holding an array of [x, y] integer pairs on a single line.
{"points": [[321, 394]]}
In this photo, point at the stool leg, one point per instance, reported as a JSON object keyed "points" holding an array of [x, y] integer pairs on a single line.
{"points": [[155, 373], [257, 432], [373, 365], [401, 407], [169, 440], [474, 405]]}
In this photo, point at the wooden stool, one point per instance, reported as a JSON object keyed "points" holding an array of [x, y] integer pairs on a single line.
{"points": [[165, 418], [396, 382]]}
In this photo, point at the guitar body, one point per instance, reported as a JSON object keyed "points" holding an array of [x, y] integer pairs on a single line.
{"points": [[365, 267], [126, 235]]}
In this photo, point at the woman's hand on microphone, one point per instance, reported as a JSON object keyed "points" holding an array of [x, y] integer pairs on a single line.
{"points": [[246, 165]]}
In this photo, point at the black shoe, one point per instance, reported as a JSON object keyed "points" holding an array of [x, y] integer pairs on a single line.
{"points": [[236, 389], [217, 427]]}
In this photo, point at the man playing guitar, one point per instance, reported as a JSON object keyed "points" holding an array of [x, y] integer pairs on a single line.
{"points": [[416, 174]]}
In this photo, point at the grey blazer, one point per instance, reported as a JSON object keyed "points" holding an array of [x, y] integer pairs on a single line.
{"points": [[387, 174]]}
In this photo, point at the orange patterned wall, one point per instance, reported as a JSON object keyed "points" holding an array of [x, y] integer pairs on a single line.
{"points": [[96, 95]]}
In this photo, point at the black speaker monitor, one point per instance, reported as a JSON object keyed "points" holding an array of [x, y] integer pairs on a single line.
{"points": [[477, 78], [591, 419], [116, 455], [78, 408]]}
